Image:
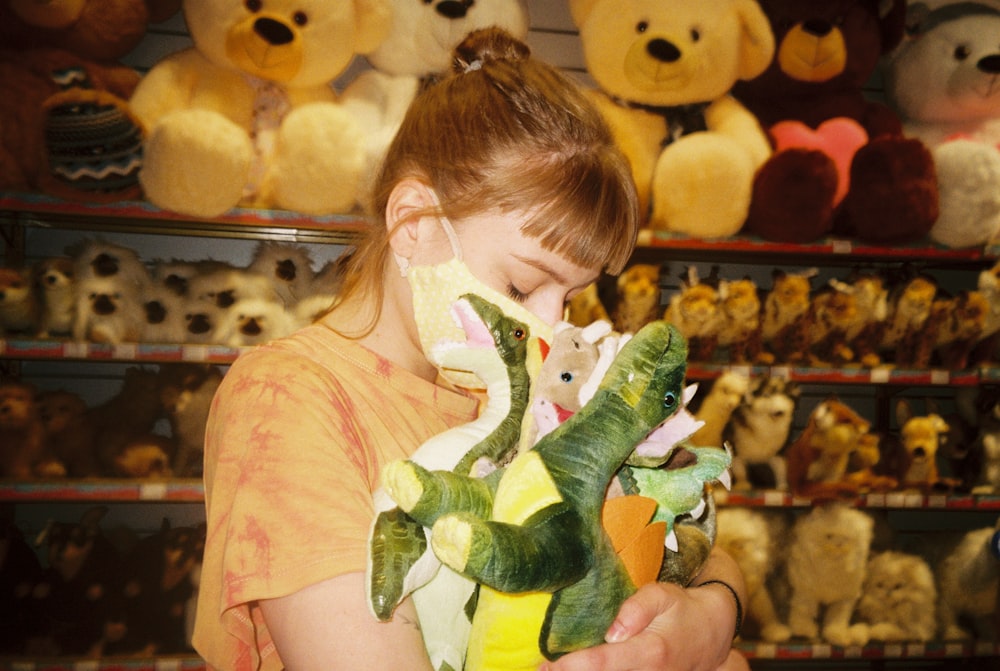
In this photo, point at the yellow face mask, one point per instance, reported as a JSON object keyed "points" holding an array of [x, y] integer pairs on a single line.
{"points": [[436, 287]]}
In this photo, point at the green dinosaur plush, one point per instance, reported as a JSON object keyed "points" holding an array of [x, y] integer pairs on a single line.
{"points": [[531, 533], [400, 563]]}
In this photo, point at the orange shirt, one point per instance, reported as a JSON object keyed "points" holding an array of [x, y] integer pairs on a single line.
{"points": [[297, 434]]}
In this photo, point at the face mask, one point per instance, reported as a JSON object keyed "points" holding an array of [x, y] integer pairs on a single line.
{"points": [[436, 287]]}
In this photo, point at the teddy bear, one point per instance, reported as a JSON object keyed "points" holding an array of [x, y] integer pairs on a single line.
{"points": [[939, 82], [827, 559], [417, 50], [841, 164], [663, 74], [67, 127], [248, 115]]}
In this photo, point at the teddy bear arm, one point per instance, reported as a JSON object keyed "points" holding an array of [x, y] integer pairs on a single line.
{"points": [[728, 116], [168, 86]]}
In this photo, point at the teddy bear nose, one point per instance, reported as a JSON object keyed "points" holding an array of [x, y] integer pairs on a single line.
{"points": [[989, 64], [663, 50], [454, 10], [817, 27], [273, 32]]}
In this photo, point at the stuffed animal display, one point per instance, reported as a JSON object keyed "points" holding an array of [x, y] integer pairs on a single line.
{"points": [[417, 49], [56, 433], [938, 82], [104, 292], [664, 74], [550, 577], [841, 163], [93, 596], [968, 578], [68, 127], [248, 114]]}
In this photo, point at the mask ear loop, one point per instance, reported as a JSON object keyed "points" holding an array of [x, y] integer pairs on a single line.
{"points": [[449, 231]]}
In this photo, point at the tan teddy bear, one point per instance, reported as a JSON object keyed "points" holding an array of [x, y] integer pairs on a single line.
{"points": [[248, 115], [665, 71]]}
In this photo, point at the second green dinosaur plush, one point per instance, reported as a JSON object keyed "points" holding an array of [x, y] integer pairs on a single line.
{"points": [[531, 533]]}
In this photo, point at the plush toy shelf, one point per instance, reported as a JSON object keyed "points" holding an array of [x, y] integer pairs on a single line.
{"points": [[143, 217], [187, 490], [931, 650], [164, 663], [133, 352], [894, 500], [883, 375]]}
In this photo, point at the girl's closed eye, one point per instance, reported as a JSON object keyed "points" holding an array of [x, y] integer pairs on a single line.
{"points": [[516, 294]]}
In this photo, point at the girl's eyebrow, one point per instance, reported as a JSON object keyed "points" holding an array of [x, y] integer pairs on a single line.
{"points": [[547, 269]]}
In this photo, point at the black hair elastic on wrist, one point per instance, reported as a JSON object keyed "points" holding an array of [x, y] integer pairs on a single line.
{"points": [[736, 598]]}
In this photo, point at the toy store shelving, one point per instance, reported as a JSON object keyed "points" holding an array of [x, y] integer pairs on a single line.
{"points": [[18, 212]]}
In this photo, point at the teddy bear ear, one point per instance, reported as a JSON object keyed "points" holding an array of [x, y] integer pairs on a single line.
{"points": [[374, 19], [758, 39], [580, 10]]}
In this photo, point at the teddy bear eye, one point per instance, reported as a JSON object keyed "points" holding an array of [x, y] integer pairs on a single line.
{"points": [[300, 18], [695, 34], [566, 377], [642, 27], [961, 52], [254, 5]]}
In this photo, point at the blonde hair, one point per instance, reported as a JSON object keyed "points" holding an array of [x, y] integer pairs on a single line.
{"points": [[506, 132]]}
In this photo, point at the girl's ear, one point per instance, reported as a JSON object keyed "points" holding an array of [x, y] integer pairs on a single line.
{"points": [[409, 202]]}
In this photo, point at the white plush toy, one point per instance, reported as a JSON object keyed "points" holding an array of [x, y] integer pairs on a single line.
{"points": [[942, 83], [899, 598], [418, 48], [248, 115], [826, 570]]}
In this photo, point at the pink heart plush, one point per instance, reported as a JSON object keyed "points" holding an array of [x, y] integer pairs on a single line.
{"points": [[839, 138]]}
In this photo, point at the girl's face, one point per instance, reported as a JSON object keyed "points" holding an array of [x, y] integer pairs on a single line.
{"points": [[503, 258]]}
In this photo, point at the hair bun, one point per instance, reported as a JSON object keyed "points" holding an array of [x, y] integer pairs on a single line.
{"points": [[486, 46]]}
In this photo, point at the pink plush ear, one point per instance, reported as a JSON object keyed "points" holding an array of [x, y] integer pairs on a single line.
{"points": [[839, 138]]}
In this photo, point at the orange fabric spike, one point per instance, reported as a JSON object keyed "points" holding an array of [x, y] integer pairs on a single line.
{"points": [[638, 543]]}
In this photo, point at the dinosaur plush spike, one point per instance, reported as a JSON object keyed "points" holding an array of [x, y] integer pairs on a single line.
{"points": [[400, 563], [543, 532]]}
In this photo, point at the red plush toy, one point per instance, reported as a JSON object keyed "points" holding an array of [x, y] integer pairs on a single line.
{"points": [[841, 164]]}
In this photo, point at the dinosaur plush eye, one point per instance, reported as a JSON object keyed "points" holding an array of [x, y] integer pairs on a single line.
{"points": [[669, 401], [566, 377], [519, 334]]}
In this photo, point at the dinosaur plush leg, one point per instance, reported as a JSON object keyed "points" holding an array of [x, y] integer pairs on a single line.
{"points": [[549, 551], [427, 495], [397, 542]]}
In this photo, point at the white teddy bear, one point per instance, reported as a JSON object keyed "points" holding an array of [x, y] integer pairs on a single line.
{"points": [[419, 47], [248, 115], [942, 82]]}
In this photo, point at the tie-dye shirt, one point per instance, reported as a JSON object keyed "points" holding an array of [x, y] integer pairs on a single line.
{"points": [[297, 434]]}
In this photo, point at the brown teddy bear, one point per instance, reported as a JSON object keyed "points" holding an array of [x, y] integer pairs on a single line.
{"points": [[65, 124], [841, 164]]}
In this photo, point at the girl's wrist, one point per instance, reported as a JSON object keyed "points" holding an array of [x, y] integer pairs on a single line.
{"points": [[726, 587]]}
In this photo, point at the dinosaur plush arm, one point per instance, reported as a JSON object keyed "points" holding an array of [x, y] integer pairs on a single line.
{"points": [[427, 495], [549, 551]]}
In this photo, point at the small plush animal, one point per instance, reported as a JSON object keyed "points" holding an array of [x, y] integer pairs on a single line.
{"points": [[905, 340], [79, 593], [101, 259], [827, 559], [186, 391], [23, 449], [751, 537], [987, 441], [587, 307], [637, 299], [19, 306], [696, 312], [253, 321], [899, 598], [920, 437], [130, 414], [723, 397], [818, 459], [144, 457], [957, 325], [69, 433], [833, 314], [785, 318], [968, 579], [864, 334], [54, 278], [740, 332], [288, 266], [989, 285], [108, 310], [759, 430]]}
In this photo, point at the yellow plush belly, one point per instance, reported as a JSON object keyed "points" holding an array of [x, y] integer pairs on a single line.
{"points": [[506, 627]]}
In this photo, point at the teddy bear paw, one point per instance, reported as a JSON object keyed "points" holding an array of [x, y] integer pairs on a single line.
{"points": [[968, 174], [196, 162]]}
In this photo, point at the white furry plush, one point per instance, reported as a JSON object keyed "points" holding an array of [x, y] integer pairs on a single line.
{"points": [[252, 321], [164, 316], [289, 267], [899, 598], [749, 536], [108, 310], [55, 278], [102, 259], [758, 431], [223, 287], [718, 405], [967, 584], [826, 570], [419, 46]]}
